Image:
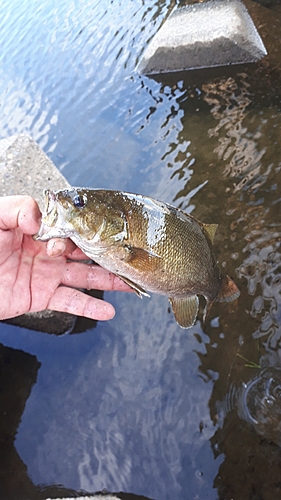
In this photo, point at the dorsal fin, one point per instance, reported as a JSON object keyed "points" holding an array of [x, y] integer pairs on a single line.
{"points": [[210, 230]]}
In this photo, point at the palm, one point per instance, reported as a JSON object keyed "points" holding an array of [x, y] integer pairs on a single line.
{"points": [[28, 277], [31, 280]]}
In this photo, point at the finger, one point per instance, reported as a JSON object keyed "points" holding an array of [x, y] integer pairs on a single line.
{"points": [[19, 211], [64, 246], [78, 303], [58, 246], [77, 254], [92, 277]]}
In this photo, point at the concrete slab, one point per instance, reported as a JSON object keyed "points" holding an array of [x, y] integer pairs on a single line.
{"points": [[26, 169], [207, 34]]}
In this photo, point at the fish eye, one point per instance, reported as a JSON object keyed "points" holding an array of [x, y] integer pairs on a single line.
{"points": [[79, 201]]}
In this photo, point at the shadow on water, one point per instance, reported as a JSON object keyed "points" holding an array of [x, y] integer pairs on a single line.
{"points": [[137, 404], [18, 374]]}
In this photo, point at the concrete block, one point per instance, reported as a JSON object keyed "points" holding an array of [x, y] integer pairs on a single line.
{"points": [[207, 34], [25, 169]]}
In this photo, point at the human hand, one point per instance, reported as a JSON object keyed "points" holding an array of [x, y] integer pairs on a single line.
{"points": [[37, 275]]}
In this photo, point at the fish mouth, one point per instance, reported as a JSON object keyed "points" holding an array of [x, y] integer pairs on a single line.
{"points": [[51, 218], [50, 201], [46, 233]]}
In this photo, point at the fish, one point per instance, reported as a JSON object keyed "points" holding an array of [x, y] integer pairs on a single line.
{"points": [[151, 245]]}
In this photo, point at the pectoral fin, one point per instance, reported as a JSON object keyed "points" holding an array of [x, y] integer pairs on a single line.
{"points": [[185, 310], [141, 259], [139, 291]]}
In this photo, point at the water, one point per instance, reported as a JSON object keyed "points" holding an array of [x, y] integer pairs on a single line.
{"points": [[132, 404]]}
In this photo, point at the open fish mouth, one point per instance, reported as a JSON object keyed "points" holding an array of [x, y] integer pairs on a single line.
{"points": [[46, 233], [50, 201], [54, 228]]}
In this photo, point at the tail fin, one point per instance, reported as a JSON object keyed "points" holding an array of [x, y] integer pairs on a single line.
{"points": [[229, 290]]}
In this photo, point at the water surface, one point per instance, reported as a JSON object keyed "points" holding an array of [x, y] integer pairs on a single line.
{"points": [[133, 405]]}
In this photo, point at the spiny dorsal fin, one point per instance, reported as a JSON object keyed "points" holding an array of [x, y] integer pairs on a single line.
{"points": [[210, 230], [185, 310]]}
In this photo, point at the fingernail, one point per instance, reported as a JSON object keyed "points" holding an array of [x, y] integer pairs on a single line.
{"points": [[55, 248]]}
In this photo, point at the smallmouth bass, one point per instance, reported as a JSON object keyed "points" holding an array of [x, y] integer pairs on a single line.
{"points": [[151, 245]]}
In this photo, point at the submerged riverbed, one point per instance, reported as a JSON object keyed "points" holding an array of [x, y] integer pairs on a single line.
{"points": [[137, 404]]}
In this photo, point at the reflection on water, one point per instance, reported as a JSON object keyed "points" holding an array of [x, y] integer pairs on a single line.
{"points": [[238, 145], [251, 163], [133, 425], [133, 404]]}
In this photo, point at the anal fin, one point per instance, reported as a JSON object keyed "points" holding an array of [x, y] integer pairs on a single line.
{"points": [[185, 310]]}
